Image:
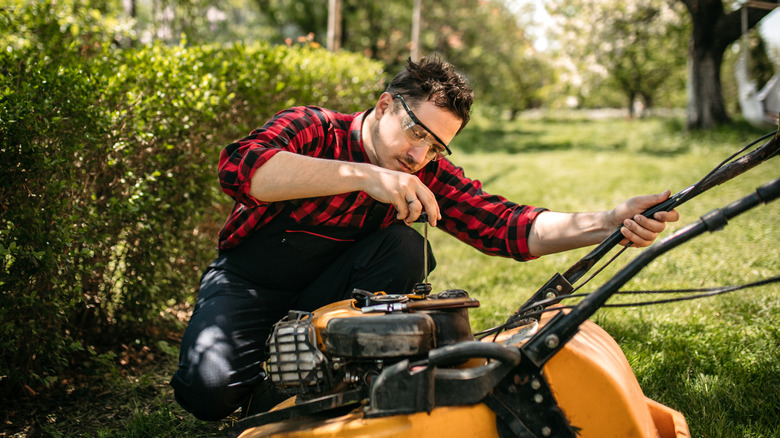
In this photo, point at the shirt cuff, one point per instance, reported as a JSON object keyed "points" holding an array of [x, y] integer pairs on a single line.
{"points": [[520, 230], [249, 167]]}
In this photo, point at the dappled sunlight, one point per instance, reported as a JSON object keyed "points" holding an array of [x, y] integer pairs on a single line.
{"points": [[209, 356]]}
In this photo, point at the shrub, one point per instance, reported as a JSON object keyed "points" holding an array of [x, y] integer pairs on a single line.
{"points": [[109, 203]]}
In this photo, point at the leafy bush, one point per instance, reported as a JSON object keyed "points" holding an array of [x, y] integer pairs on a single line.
{"points": [[109, 203]]}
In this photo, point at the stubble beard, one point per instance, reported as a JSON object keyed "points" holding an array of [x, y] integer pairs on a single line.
{"points": [[377, 146]]}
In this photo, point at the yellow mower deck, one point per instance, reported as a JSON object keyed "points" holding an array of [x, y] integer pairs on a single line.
{"points": [[590, 378]]}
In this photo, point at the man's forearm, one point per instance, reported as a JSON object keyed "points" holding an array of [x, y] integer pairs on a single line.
{"points": [[554, 232], [290, 176]]}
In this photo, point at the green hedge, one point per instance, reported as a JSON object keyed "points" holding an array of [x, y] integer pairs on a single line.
{"points": [[109, 200]]}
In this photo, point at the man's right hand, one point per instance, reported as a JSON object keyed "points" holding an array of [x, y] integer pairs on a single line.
{"points": [[291, 176], [406, 192]]}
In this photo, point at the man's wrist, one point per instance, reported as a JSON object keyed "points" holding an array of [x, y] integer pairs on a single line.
{"points": [[359, 173]]}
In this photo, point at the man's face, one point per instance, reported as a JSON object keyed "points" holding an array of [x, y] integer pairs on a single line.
{"points": [[396, 149]]}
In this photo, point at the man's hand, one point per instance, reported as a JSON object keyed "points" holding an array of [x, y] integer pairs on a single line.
{"points": [[553, 232], [637, 229], [291, 176], [406, 192]]}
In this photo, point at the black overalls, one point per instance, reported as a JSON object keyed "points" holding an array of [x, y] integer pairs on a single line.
{"points": [[282, 266]]}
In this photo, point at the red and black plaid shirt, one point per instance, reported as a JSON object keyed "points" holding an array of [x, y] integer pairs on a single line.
{"points": [[489, 223]]}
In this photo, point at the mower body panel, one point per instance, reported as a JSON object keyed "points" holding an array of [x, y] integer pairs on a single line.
{"points": [[590, 379]]}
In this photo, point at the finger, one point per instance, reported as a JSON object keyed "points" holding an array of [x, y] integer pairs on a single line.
{"points": [[667, 216], [639, 235], [402, 207], [647, 201], [415, 208], [659, 197], [431, 208], [650, 224], [634, 238]]}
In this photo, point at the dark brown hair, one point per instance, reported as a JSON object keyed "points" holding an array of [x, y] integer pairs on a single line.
{"points": [[437, 81]]}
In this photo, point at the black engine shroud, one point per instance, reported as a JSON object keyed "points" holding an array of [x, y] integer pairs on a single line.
{"points": [[308, 358]]}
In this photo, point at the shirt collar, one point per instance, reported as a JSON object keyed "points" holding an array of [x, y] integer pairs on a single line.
{"points": [[356, 138]]}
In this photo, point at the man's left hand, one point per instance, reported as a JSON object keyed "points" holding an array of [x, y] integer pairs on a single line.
{"points": [[639, 230]]}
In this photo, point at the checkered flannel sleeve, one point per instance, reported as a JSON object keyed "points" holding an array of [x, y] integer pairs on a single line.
{"points": [[490, 223]]}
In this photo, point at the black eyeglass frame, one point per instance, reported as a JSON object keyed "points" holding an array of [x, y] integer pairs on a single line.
{"points": [[418, 122]]}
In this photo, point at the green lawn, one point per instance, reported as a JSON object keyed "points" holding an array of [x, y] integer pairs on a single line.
{"points": [[717, 360]]}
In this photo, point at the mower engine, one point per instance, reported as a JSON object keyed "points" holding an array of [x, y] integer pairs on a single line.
{"points": [[347, 344]]}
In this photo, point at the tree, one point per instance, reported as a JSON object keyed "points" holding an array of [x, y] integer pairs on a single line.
{"points": [[482, 38], [633, 46], [488, 43], [297, 17], [713, 31]]}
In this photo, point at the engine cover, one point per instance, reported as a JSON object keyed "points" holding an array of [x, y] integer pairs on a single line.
{"points": [[349, 342], [384, 336]]}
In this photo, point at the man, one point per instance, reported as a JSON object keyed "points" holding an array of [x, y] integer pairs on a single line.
{"points": [[323, 204]]}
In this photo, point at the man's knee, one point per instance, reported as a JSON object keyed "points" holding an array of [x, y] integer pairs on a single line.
{"points": [[208, 399], [205, 383]]}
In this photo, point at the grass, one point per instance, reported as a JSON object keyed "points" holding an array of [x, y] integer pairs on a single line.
{"points": [[717, 360]]}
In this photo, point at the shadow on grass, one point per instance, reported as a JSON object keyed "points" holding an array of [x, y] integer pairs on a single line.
{"points": [[512, 141], [657, 136]]}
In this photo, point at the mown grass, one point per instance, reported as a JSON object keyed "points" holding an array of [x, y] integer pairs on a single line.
{"points": [[717, 360]]}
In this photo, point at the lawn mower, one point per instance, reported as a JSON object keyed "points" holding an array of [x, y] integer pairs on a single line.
{"points": [[409, 365]]}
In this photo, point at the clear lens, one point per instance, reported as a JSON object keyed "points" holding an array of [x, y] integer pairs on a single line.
{"points": [[419, 136]]}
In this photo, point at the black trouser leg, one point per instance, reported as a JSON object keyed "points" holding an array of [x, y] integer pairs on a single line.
{"points": [[390, 260], [223, 348]]}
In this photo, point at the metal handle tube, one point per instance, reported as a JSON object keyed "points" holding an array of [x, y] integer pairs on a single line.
{"points": [[725, 173], [551, 338]]}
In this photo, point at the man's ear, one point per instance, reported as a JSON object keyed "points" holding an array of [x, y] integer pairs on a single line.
{"points": [[383, 105]]}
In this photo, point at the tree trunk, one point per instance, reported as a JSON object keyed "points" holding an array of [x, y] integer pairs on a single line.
{"points": [[705, 97], [334, 25], [649, 101], [713, 32], [631, 95]]}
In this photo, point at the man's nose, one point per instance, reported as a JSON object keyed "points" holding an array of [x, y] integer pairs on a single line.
{"points": [[418, 152]]}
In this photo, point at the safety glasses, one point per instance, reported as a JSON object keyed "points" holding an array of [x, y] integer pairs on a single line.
{"points": [[419, 134]]}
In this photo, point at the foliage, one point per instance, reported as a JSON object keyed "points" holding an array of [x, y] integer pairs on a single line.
{"points": [[58, 28], [109, 202], [297, 17], [379, 30], [636, 47], [202, 21], [487, 41], [716, 359], [483, 39]]}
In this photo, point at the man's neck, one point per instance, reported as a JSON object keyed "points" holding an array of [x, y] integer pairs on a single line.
{"points": [[366, 138]]}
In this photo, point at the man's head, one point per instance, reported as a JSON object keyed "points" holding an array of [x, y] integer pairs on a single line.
{"points": [[421, 111], [434, 80]]}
